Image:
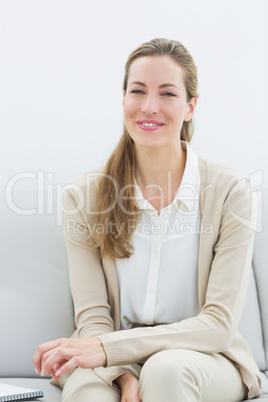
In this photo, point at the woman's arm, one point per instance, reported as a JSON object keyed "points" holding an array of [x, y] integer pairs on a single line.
{"points": [[87, 280], [89, 292]]}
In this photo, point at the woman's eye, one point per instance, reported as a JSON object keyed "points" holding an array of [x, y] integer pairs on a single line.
{"points": [[136, 91], [170, 94]]}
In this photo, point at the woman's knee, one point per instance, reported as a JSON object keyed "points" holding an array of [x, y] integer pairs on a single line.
{"points": [[168, 364], [84, 384], [170, 372]]}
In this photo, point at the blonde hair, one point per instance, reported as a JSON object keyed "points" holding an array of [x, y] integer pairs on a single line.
{"points": [[122, 214]]}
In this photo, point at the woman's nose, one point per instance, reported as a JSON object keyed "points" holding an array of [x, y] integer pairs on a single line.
{"points": [[150, 105]]}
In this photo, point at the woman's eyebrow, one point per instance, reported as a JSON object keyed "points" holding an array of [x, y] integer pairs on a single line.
{"points": [[138, 83], [168, 84], [165, 85]]}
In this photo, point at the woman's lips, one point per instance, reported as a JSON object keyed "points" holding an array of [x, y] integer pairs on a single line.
{"points": [[150, 125]]}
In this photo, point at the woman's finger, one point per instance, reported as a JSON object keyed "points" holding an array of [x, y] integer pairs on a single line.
{"points": [[41, 349], [69, 365], [45, 357], [58, 355], [56, 367]]}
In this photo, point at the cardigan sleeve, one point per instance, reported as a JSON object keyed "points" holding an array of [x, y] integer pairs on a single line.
{"points": [[87, 279], [213, 329]]}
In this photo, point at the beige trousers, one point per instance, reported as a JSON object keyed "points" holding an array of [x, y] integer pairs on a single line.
{"points": [[168, 376]]}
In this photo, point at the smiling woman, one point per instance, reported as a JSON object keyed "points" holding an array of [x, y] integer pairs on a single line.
{"points": [[157, 298]]}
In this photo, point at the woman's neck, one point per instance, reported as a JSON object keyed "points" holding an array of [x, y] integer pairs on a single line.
{"points": [[159, 173], [155, 166]]}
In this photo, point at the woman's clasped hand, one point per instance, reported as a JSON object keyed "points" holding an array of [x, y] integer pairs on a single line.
{"points": [[129, 386], [57, 357]]}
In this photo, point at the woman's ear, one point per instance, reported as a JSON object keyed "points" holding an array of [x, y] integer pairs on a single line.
{"points": [[191, 109], [124, 93]]}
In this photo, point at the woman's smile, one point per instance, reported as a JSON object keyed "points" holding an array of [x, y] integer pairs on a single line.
{"points": [[149, 125]]}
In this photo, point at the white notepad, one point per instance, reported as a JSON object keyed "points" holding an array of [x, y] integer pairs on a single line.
{"points": [[13, 393]]}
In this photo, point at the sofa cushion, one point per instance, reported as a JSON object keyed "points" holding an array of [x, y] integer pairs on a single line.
{"points": [[263, 397], [260, 263], [250, 324], [35, 299]]}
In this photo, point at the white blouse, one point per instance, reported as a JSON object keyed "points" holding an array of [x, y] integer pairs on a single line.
{"points": [[158, 283]]}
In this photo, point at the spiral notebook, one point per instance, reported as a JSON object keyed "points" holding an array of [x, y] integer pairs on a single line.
{"points": [[13, 393]]}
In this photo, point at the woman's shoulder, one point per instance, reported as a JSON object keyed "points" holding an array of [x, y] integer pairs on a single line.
{"points": [[219, 183], [212, 172], [83, 190], [87, 180]]}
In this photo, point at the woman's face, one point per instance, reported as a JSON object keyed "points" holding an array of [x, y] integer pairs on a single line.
{"points": [[155, 102]]}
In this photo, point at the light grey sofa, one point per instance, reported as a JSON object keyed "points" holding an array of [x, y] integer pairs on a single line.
{"points": [[35, 300]]}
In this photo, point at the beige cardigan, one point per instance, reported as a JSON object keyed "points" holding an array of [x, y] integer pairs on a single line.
{"points": [[228, 213]]}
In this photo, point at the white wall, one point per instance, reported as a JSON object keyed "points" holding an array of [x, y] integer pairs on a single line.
{"points": [[61, 71]]}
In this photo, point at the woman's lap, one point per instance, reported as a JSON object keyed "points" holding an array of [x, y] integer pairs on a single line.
{"points": [[173, 375], [189, 376]]}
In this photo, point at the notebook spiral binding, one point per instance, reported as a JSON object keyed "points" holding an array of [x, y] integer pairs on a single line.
{"points": [[22, 397]]}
